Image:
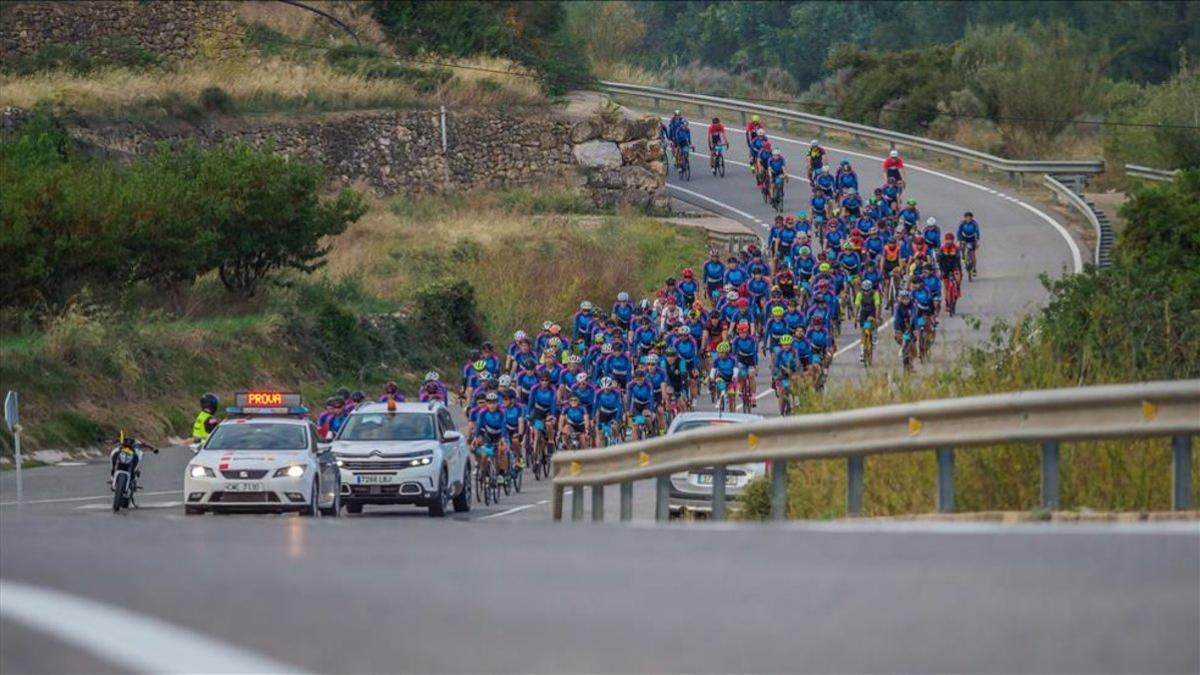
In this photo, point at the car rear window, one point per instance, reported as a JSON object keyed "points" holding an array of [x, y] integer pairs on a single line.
{"points": [[697, 424], [257, 437], [389, 427]]}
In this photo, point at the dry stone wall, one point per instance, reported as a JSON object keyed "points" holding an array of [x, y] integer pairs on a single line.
{"points": [[168, 28], [614, 157]]}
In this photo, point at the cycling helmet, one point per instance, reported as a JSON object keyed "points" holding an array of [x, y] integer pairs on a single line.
{"points": [[824, 267], [930, 222], [607, 382], [480, 365], [343, 393], [677, 113], [968, 214], [491, 397], [848, 246], [682, 330], [574, 358], [671, 351], [585, 306], [357, 396], [762, 132], [905, 294], [485, 376], [893, 153], [785, 340], [804, 250], [776, 153], [520, 335], [910, 202], [723, 348], [544, 375], [949, 237], [622, 297], [743, 327], [776, 311], [334, 402], [731, 296], [581, 378], [599, 339], [743, 303], [644, 304], [683, 123], [851, 191], [867, 285], [432, 376], [606, 348], [670, 281], [900, 231], [814, 142], [546, 325], [505, 380], [688, 273], [754, 118], [767, 145], [801, 215], [554, 343], [652, 359], [209, 402]]}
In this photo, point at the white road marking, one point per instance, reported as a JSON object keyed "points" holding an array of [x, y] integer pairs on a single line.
{"points": [[152, 645], [67, 500], [151, 505], [71, 464], [712, 201], [516, 509]]}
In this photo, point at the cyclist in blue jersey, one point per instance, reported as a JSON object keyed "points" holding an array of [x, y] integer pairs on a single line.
{"points": [[622, 311], [969, 235], [574, 422], [610, 409], [583, 321], [542, 404], [773, 329], [909, 215], [904, 315], [688, 288], [683, 140], [618, 365], [820, 338], [823, 184], [745, 349], [776, 165], [852, 203], [491, 431], [846, 178], [932, 234], [640, 400]]}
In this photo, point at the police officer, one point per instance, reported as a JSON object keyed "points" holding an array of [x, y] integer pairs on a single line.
{"points": [[205, 422]]}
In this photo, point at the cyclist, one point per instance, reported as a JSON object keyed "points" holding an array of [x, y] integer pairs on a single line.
{"points": [[969, 233], [542, 403], [683, 140], [432, 389], [932, 234], [713, 272], [823, 187], [491, 430], [909, 215], [205, 422], [677, 385], [774, 328], [776, 164], [893, 168], [745, 349], [724, 366], [949, 260], [820, 338], [851, 203], [785, 363], [610, 406], [904, 316], [575, 419], [622, 311], [889, 195], [846, 179], [673, 125], [753, 129], [756, 145], [640, 400], [333, 418], [618, 365], [688, 288], [716, 138], [514, 421], [816, 156], [866, 307]]}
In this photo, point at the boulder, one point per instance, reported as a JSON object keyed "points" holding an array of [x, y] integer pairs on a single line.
{"points": [[584, 131], [635, 152], [640, 178], [598, 155]]}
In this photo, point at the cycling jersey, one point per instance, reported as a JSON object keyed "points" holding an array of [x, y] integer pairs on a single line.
{"points": [[968, 231], [932, 234], [787, 362], [824, 182], [923, 299], [847, 179], [543, 399], [513, 413], [776, 165], [623, 313], [850, 260], [608, 402], [867, 303], [933, 284], [687, 291], [819, 338], [714, 272], [490, 425], [575, 415], [852, 204], [676, 376], [683, 137], [586, 394], [583, 324], [892, 166], [745, 348], [640, 396], [804, 351], [949, 261], [816, 157], [794, 319], [910, 216], [724, 366], [735, 277], [902, 317], [715, 132], [687, 348], [774, 329]]}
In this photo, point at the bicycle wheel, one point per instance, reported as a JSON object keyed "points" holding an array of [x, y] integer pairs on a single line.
{"points": [[721, 166], [485, 479], [495, 483]]}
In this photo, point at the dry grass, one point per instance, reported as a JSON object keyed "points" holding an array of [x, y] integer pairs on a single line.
{"points": [[297, 23], [261, 84]]}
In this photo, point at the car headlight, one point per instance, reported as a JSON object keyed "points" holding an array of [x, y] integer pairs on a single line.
{"points": [[198, 471], [293, 471], [422, 461], [339, 462]]}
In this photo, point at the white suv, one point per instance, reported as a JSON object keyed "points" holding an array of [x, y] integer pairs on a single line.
{"points": [[410, 454]]}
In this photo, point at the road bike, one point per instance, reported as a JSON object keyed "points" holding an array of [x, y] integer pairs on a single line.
{"points": [[776, 199], [611, 433], [868, 342], [969, 261], [907, 351], [952, 293], [487, 487], [541, 451], [718, 160], [684, 167], [745, 383], [783, 391], [924, 337], [726, 397]]}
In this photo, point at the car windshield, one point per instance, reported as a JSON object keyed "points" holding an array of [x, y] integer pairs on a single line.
{"points": [[257, 437], [388, 427], [696, 424]]}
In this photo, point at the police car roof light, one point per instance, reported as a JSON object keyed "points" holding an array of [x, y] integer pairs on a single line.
{"points": [[264, 403]]}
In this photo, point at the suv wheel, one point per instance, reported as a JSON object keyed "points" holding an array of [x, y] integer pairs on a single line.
{"points": [[437, 504], [462, 501], [354, 507]]}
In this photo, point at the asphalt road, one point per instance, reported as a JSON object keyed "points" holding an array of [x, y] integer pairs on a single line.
{"points": [[502, 590]]}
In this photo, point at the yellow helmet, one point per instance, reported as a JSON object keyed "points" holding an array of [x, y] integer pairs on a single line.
{"points": [[754, 118]]}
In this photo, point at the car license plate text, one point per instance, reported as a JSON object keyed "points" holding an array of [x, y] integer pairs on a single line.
{"points": [[243, 486], [373, 479], [707, 479]]}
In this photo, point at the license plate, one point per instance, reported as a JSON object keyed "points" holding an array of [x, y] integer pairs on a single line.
{"points": [[243, 486], [707, 479], [374, 479]]}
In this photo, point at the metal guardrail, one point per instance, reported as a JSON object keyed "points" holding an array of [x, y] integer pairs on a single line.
{"points": [[1104, 233], [1047, 418], [1149, 173], [1012, 166]]}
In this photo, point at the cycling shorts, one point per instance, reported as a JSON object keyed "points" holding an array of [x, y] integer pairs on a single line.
{"points": [[577, 428], [894, 172], [745, 360], [637, 407], [604, 417], [536, 413]]}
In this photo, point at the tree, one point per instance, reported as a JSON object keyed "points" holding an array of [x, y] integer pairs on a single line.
{"points": [[1034, 82], [608, 31]]}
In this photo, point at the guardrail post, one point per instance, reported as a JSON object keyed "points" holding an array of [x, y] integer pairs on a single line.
{"points": [[556, 503], [626, 501], [945, 495], [657, 103], [662, 498], [1181, 473], [701, 106], [779, 482], [598, 503], [854, 484], [718, 497], [958, 164], [743, 113], [577, 502], [1050, 475]]}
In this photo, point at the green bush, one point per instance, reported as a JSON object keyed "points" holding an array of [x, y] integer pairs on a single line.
{"points": [[216, 100], [120, 51]]}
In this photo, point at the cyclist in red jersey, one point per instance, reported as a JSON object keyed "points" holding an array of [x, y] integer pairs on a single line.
{"points": [[893, 167], [716, 136], [752, 128]]}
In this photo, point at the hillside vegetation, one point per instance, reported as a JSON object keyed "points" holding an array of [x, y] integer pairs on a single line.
{"points": [[1137, 320]]}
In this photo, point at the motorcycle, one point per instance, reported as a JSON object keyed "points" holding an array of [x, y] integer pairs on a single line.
{"points": [[127, 458]]}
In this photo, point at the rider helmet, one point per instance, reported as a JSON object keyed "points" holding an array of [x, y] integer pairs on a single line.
{"points": [[743, 327], [893, 153], [555, 329], [480, 365], [357, 396], [968, 214], [485, 376], [754, 118], [581, 377], [930, 222], [910, 202], [814, 142], [824, 267], [761, 132], [682, 330], [431, 376], [776, 311], [785, 340], [519, 336], [949, 237], [723, 348], [622, 297], [209, 403], [585, 306], [867, 285], [574, 358], [688, 273], [607, 382], [905, 294], [491, 397], [505, 380], [743, 303], [731, 296], [546, 325], [817, 319], [677, 113]]}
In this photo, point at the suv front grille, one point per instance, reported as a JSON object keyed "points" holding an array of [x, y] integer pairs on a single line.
{"points": [[369, 465]]}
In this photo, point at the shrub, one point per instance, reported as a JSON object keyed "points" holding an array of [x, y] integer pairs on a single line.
{"points": [[216, 100]]}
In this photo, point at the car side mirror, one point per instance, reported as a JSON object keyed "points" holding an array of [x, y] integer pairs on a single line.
{"points": [[324, 447], [195, 447], [451, 437]]}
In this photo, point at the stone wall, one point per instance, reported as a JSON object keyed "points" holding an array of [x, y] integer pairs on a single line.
{"points": [[168, 28], [613, 156]]}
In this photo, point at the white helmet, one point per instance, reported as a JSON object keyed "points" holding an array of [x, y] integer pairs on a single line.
{"points": [[761, 132], [585, 306], [519, 335], [930, 221], [677, 112], [606, 382], [851, 191], [622, 297], [683, 330], [485, 376], [581, 378], [900, 230], [547, 324], [652, 359], [574, 358], [431, 376], [814, 142], [505, 380], [732, 296], [893, 154]]}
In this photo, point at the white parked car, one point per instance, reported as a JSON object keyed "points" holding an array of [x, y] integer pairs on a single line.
{"points": [[271, 463], [411, 454], [692, 490]]}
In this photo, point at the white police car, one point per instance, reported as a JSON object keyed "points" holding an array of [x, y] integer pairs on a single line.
{"points": [[266, 456], [403, 453]]}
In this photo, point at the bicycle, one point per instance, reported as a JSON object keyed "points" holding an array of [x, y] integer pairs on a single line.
{"points": [[541, 450], [783, 391], [718, 160], [611, 433], [487, 487], [924, 339], [952, 294], [969, 261], [744, 385], [907, 347], [776, 199], [684, 166], [868, 342]]}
